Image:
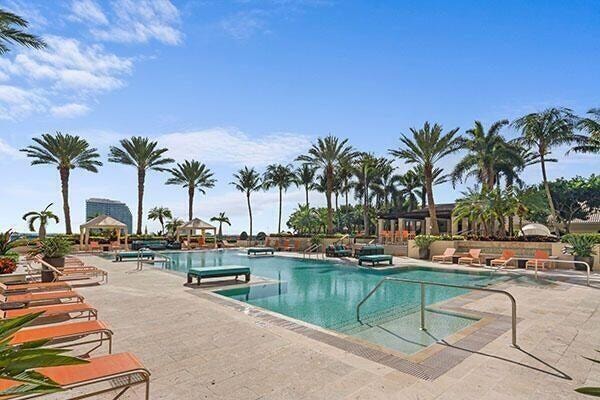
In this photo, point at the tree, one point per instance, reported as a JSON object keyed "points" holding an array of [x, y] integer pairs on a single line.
{"points": [[542, 132], [427, 147], [488, 154], [160, 214], [576, 198], [366, 168], [591, 125], [42, 217], [386, 186], [438, 177], [328, 154], [221, 219], [66, 152], [11, 33], [191, 175], [281, 177], [247, 180], [172, 225], [143, 154], [305, 177], [304, 220]]}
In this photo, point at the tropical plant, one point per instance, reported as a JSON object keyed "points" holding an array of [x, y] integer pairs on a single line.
{"points": [[328, 154], [20, 361], [6, 242], [53, 247], [281, 177], [488, 154], [305, 177], [385, 185], [591, 125], [410, 183], [575, 198], [427, 147], [143, 154], [160, 214], [590, 390], [580, 245], [247, 180], [542, 132], [7, 265], [366, 168], [172, 225], [11, 32], [66, 152], [304, 220], [424, 241], [192, 175], [42, 217], [221, 219]]}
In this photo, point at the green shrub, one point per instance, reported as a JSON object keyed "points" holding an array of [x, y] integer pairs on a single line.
{"points": [[424, 241], [581, 245], [594, 237], [53, 247], [11, 255], [317, 239]]}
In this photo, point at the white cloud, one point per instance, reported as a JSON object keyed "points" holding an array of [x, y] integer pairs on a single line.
{"points": [[16, 102], [245, 24], [70, 110], [8, 150], [87, 11], [129, 21], [231, 146]]}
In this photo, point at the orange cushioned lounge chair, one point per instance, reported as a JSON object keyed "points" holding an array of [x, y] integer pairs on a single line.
{"points": [[541, 258], [472, 258], [33, 287], [75, 272], [95, 246], [41, 297], [506, 255], [447, 256], [120, 371], [73, 311]]}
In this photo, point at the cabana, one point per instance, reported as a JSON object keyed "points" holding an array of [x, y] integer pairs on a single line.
{"points": [[101, 222], [194, 225]]}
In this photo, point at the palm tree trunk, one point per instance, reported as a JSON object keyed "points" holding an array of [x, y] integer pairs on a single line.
{"points": [[430, 202], [280, 203], [64, 183], [42, 231], [141, 181], [423, 196], [191, 202], [220, 229], [250, 214], [549, 196], [306, 192], [328, 191]]}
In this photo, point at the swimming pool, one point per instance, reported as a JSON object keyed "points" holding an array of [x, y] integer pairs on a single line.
{"points": [[326, 293]]}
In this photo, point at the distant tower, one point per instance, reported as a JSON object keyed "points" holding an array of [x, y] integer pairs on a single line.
{"points": [[116, 209]]}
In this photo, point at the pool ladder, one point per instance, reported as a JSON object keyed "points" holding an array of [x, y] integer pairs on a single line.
{"points": [[422, 285], [312, 249], [158, 258]]}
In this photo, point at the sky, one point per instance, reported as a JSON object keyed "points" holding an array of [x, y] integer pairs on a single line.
{"points": [[255, 82]]}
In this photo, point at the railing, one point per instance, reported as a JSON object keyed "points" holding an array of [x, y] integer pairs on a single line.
{"points": [[422, 285], [140, 259], [548, 260], [313, 248], [341, 240]]}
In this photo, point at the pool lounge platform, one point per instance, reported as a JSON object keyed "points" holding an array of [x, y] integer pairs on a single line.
{"points": [[218, 272], [375, 259], [260, 250]]}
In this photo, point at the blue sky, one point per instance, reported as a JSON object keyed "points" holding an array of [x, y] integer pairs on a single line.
{"points": [[251, 82]]}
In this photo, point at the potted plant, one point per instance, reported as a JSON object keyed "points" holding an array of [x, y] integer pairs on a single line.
{"points": [[8, 258], [582, 247], [423, 242], [53, 251]]}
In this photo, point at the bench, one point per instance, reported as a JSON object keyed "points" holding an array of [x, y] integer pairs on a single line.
{"points": [[261, 250], [375, 259], [120, 256], [217, 272]]}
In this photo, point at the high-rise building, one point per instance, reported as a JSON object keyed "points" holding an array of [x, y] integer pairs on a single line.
{"points": [[116, 209]]}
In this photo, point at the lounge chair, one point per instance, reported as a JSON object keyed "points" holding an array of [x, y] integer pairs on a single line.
{"points": [[260, 250], [95, 246], [81, 310], [32, 287], [297, 245], [201, 241], [70, 333], [540, 258], [42, 297], [70, 273], [375, 259], [121, 371], [218, 272], [506, 255], [286, 246], [472, 258], [446, 256]]}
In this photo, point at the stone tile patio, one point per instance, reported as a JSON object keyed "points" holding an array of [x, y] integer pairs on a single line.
{"points": [[197, 348]]}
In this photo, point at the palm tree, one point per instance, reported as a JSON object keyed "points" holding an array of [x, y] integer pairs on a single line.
{"points": [[328, 154], [221, 219], [43, 217], [10, 33], [591, 125], [247, 180], [66, 152], [142, 154], [366, 168], [192, 175], [410, 182], [541, 132], [386, 185], [160, 214], [281, 177], [305, 176], [488, 155], [427, 147], [173, 224]]}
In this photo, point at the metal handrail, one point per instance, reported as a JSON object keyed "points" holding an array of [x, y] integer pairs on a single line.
{"points": [[541, 261], [165, 259], [310, 249], [422, 286], [340, 240]]}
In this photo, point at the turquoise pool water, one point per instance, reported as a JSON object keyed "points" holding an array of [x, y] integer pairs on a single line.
{"points": [[326, 293]]}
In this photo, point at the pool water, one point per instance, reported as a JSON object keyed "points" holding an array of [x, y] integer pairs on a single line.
{"points": [[326, 293]]}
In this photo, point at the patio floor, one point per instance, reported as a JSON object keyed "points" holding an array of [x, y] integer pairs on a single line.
{"points": [[197, 348]]}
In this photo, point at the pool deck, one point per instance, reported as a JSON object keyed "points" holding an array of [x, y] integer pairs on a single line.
{"points": [[199, 348]]}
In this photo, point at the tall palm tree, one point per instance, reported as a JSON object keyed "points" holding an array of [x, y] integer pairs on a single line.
{"points": [[66, 152], [410, 183], [281, 177], [192, 175], [386, 185], [221, 219], [305, 177], [11, 33], [328, 154], [43, 217], [160, 214], [591, 125], [427, 147], [488, 154], [543, 131], [143, 154], [366, 168], [438, 178], [247, 180], [172, 225]]}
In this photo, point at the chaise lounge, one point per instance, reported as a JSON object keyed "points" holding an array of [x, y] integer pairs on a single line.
{"points": [[375, 259], [260, 250], [122, 255], [218, 272]]}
